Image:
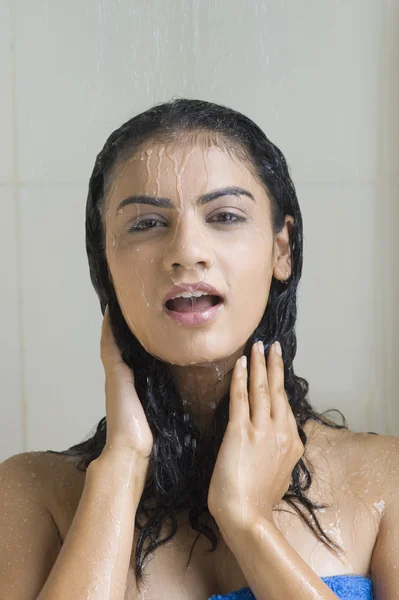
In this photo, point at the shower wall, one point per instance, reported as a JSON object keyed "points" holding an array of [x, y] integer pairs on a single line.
{"points": [[319, 77]]}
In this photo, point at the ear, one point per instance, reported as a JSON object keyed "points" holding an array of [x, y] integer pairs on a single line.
{"points": [[282, 267]]}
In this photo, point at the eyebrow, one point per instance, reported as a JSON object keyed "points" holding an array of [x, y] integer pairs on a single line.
{"points": [[167, 203]]}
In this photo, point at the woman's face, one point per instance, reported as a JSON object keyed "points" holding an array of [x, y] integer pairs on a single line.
{"points": [[150, 248]]}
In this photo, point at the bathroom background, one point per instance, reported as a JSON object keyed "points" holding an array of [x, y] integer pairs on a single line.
{"points": [[321, 79]]}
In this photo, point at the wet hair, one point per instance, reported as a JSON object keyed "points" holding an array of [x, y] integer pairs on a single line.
{"points": [[183, 457]]}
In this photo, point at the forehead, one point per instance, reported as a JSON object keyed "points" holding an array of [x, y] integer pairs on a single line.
{"points": [[181, 169]]}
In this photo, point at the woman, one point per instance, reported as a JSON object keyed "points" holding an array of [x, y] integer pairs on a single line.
{"points": [[194, 240]]}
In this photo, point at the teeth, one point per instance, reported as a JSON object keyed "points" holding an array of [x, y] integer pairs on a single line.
{"points": [[196, 294]]}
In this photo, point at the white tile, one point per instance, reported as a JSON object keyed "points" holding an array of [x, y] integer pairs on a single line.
{"points": [[309, 82], [6, 96], [11, 422], [303, 75], [338, 328], [84, 69], [388, 150], [62, 320], [384, 404]]}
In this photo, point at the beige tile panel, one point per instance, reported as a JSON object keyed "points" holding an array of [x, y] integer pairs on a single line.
{"points": [[7, 75], [11, 375], [301, 74], [62, 319], [347, 317]]}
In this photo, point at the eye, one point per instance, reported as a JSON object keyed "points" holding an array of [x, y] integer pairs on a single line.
{"points": [[231, 220], [237, 218], [139, 226]]}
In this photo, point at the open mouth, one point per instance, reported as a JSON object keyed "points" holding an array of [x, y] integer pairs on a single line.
{"points": [[185, 305]]}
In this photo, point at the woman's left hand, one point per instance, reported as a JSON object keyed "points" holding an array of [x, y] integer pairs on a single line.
{"points": [[260, 447]]}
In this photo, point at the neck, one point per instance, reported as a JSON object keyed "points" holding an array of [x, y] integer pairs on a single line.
{"points": [[203, 386]]}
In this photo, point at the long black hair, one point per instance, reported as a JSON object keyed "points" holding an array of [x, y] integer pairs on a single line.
{"points": [[183, 457]]}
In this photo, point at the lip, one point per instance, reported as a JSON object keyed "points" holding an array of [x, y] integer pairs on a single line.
{"points": [[196, 317], [192, 287]]}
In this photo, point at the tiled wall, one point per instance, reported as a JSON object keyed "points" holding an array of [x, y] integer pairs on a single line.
{"points": [[320, 78]]}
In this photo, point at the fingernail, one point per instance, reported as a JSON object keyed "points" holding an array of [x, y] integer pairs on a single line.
{"points": [[277, 347], [243, 361], [261, 348]]}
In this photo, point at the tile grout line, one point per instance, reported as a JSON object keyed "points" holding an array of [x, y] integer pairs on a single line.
{"points": [[17, 205]]}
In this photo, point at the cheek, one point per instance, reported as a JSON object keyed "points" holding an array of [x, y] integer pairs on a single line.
{"points": [[254, 286], [253, 262], [128, 263], [132, 287], [132, 278], [252, 273]]}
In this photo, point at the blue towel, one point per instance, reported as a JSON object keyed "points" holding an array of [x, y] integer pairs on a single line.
{"points": [[348, 587]]}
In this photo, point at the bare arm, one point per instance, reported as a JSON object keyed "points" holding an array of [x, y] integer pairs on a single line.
{"points": [[96, 554], [94, 559], [29, 539]]}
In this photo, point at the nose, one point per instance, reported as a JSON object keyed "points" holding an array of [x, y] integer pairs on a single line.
{"points": [[188, 246]]}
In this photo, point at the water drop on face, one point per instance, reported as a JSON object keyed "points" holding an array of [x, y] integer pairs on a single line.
{"points": [[120, 211], [220, 374], [113, 241]]}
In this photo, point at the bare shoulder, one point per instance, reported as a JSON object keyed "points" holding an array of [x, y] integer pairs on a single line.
{"points": [[30, 468], [64, 487], [29, 540], [54, 475], [378, 455], [57, 480], [365, 462]]}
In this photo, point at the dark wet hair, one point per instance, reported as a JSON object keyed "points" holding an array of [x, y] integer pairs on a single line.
{"points": [[183, 458]]}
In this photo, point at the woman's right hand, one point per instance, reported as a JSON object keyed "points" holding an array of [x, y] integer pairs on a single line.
{"points": [[127, 425]]}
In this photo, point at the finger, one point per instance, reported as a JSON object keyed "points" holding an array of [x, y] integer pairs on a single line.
{"points": [[239, 408], [259, 393], [298, 446], [279, 402], [292, 423]]}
